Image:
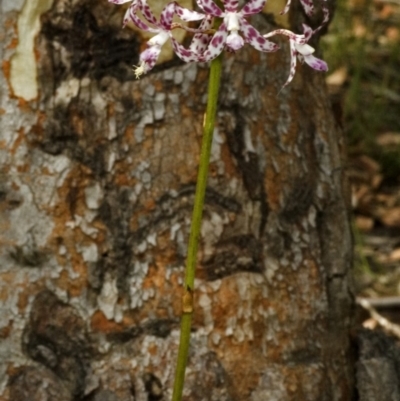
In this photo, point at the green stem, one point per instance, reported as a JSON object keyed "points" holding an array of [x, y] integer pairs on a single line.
{"points": [[213, 89]]}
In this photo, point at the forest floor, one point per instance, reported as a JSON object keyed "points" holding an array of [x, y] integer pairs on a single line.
{"points": [[362, 49]]}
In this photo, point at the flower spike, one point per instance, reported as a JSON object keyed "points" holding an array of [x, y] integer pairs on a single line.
{"points": [[233, 32]]}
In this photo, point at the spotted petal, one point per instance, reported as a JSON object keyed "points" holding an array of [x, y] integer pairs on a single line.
{"points": [[209, 7], [147, 60], [316, 63], [130, 11], [325, 11], [253, 7], [187, 55], [287, 7], [255, 39], [119, 1], [147, 13], [167, 14], [201, 40], [231, 5], [308, 32], [308, 7], [139, 23], [187, 15], [293, 61], [299, 39], [216, 44]]}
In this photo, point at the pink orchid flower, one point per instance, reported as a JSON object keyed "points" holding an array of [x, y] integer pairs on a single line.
{"points": [[234, 21], [162, 30], [299, 49]]}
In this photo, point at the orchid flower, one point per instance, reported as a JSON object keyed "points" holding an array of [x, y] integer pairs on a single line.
{"points": [[234, 22], [299, 49], [162, 29]]}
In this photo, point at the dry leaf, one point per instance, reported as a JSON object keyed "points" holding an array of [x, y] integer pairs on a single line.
{"points": [[370, 324], [391, 217], [387, 200], [360, 192], [359, 29], [388, 139], [369, 164], [364, 224], [395, 255], [393, 34], [338, 77], [387, 11], [376, 180]]}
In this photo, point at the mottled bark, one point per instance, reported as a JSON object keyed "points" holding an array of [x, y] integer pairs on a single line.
{"points": [[97, 183], [378, 367]]}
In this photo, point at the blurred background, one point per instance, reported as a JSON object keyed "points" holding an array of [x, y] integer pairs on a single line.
{"points": [[362, 49]]}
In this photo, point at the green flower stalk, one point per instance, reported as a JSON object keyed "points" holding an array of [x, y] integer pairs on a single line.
{"points": [[187, 299]]}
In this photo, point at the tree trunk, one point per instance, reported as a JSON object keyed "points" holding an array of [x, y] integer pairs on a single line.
{"points": [[98, 173]]}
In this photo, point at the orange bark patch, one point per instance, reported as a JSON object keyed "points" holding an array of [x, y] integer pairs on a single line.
{"points": [[272, 188], [122, 180], [158, 86], [129, 135], [226, 157], [24, 105], [76, 287], [154, 278], [63, 280], [6, 66], [152, 349], [150, 205], [23, 299], [100, 323], [20, 139], [5, 331]]}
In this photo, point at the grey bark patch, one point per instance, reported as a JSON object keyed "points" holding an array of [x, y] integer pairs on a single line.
{"points": [[59, 136], [377, 379], [36, 383], [9, 198], [154, 327], [299, 199], [247, 161], [116, 210], [170, 206], [105, 395], [56, 337], [29, 257], [215, 198], [208, 379], [153, 387], [236, 254], [378, 367]]}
